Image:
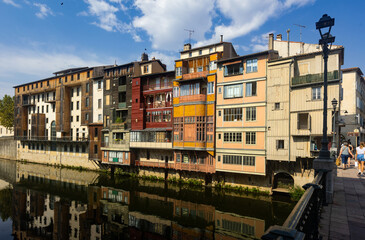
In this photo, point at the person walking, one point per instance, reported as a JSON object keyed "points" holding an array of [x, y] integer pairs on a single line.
{"points": [[344, 153], [351, 148], [360, 151]]}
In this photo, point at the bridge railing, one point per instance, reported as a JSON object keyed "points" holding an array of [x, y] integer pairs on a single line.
{"points": [[303, 221]]}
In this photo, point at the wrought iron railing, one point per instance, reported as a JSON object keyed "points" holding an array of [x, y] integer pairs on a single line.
{"points": [[303, 221], [55, 139], [314, 78]]}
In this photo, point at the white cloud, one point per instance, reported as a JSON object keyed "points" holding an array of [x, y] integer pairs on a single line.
{"points": [[11, 2], [168, 59], [106, 13], [246, 16], [165, 21], [44, 10], [21, 65]]}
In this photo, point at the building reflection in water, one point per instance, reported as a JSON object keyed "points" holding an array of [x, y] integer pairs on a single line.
{"points": [[47, 207]]}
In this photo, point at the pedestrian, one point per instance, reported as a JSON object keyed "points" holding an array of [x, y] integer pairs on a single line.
{"points": [[360, 151], [344, 153], [351, 148]]}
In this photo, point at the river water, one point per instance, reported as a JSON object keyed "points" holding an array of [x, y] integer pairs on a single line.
{"points": [[44, 202]]}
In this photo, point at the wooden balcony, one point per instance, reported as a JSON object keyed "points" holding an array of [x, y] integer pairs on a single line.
{"points": [[195, 167], [195, 75], [313, 78], [193, 98]]}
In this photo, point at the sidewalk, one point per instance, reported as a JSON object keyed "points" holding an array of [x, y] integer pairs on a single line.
{"points": [[345, 217]]}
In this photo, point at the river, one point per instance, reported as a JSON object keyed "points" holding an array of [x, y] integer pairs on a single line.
{"points": [[44, 202]]}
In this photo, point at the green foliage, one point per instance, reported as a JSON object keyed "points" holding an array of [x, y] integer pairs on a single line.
{"points": [[5, 203], [7, 111], [296, 192], [118, 120]]}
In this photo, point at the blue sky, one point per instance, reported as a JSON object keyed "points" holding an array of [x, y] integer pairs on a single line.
{"points": [[40, 37]]}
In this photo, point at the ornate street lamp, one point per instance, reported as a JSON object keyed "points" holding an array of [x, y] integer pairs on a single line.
{"points": [[325, 24], [334, 104]]}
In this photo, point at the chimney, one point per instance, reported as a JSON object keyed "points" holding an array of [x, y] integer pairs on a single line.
{"points": [[279, 37], [144, 57], [271, 41], [221, 38], [187, 46]]}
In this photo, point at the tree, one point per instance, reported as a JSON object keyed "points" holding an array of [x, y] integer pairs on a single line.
{"points": [[7, 111]]}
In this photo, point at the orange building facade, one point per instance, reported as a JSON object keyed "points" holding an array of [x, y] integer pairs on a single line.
{"points": [[194, 102], [241, 114]]}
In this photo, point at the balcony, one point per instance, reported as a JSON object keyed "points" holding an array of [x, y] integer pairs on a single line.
{"points": [[50, 100], [193, 98], [28, 103], [154, 87], [313, 78], [52, 139], [151, 145], [122, 88], [195, 167], [118, 125], [122, 105], [157, 104], [195, 75]]}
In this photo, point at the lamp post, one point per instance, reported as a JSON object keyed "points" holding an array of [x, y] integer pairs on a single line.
{"points": [[325, 24], [334, 104]]}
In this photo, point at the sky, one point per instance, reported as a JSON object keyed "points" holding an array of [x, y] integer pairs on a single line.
{"points": [[38, 38]]}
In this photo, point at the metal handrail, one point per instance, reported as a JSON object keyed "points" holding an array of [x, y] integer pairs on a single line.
{"points": [[303, 221]]}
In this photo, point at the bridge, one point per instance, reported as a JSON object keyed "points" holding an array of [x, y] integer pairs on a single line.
{"points": [[314, 218]]}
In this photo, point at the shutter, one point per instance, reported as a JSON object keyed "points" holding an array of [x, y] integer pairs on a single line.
{"points": [[309, 122]]}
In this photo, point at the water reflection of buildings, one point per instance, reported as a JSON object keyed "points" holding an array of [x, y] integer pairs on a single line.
{"points": [[102, 212]]}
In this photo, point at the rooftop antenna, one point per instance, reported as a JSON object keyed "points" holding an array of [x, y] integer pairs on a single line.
{"points": [[300, 30], [190, 33]]}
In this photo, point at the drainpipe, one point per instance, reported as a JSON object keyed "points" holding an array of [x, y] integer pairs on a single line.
{"points": [[290, 67], [288, 31]]}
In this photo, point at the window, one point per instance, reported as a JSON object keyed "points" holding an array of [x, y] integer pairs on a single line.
{"points": [[77, 105], [47, 109], [59, 80], [87, 87], [72, 106], [190, 89], [233, 91], [99, 103], [78, 76], [250, 89], [145, 69], [86, 116], [232, 114], [77, 118], [88, 74], [251, 65], [233, 69], [232, 137], [87, 102], [99, 117], [178, 71], [212, 65], [71, 119], [219, 113], [219, 136], [251, 114], [277, 106], [199, 69], [251, 138], [279, 144], [72, 77], [200, 127], [200, 52], [303, 121], [210, 87], [176, 91], [65, 78], [99, 84], [316, 93], [219, 90], [78, 91], [190, 54]]}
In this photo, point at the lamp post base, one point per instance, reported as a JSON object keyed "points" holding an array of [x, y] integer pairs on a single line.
{"points": [[326, 165]]}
